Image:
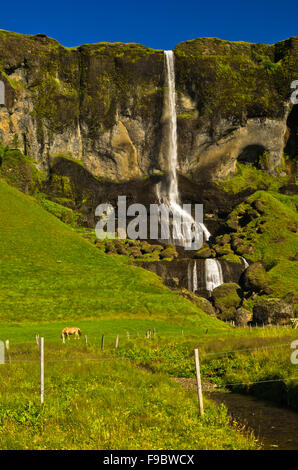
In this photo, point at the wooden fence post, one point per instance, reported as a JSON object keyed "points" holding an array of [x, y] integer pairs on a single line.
{"points": [[7, 345], [2, 352], [37, 339], [86, 340], [199, 384], [41, 370], [117, 342], [102, 342]]}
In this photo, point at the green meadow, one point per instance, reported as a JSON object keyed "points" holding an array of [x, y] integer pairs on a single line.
{"points": [[125, 398]]}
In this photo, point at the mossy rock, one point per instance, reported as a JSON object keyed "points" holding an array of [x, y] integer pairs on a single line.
{"points": [[169, 252], [232, 258], [204, 252], [272, 311], [222, 250], [19, 170], [227, 298], [206, 306], [202, 303], [243, 316], [255, 279], [134, 252]]}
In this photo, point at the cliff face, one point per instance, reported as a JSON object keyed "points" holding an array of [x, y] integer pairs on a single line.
{"points": [[103, 104]]}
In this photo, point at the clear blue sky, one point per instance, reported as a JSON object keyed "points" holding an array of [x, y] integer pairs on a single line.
{"points": [[158, 24]]}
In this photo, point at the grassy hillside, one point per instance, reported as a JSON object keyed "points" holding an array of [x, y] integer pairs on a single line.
{"points": [[265, 226], [104, 404], [48, 272]]}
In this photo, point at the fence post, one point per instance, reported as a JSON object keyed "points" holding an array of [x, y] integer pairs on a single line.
{"points": [[102, 342], [199, 384], [117, 342], [37, 339], [7, 345], [2, 353], [41, 370], [86, 340]]}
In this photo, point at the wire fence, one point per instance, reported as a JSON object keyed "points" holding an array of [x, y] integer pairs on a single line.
{"points": [[53, 388]]}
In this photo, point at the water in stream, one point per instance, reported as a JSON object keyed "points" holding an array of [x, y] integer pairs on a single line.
{"points": [[274, 427]]}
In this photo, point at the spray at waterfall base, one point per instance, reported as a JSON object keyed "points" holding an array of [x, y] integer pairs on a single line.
{"points": [[164, 222]]}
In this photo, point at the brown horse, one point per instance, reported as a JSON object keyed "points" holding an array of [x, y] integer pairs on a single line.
{"points": [[70, 331]]}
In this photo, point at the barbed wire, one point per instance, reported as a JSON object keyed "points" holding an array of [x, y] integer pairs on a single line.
{"points": [[283, 379], [53, 388], [246, 349], [202, 354]]}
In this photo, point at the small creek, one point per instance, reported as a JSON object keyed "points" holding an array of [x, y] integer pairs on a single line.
{"points": [[274, 427]]}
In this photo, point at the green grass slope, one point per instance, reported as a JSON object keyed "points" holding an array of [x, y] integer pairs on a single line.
{"points": [[48, 272]]}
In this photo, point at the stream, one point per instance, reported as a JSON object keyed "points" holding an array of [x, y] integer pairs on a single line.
{"points": [[274, 427]]}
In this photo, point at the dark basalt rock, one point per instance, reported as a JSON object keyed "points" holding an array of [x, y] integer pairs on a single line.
{"points": [[255, 279], [271, 310]]}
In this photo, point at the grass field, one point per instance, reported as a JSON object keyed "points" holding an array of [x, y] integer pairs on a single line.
{"points": [[121, 398], [103, 404]]}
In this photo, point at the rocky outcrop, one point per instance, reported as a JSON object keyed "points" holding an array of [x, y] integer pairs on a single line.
{"points": [[243, 316], [226, 298], [271, 310], [255, 279], [102, 104]]}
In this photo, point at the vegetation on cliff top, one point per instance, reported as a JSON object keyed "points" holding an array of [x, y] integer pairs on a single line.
{"points": [[236, 79]]}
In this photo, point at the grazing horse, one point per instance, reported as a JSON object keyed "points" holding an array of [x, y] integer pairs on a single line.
{"points": [[70, 331]]}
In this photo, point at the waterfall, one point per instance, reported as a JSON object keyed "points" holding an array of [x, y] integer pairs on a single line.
{"points": [[171, 198], [213, 274], [245, 262], [195, 278], [192, 277]]}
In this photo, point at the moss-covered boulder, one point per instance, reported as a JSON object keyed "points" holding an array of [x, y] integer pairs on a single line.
{"points": [[226, 299], [272, 311], [206, 306], [169, 252], [204, 252], [255, 279], [202, 303], [243, 316]]}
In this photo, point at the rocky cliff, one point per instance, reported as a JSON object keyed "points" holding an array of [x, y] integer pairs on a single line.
{"points": [[102, 104]]}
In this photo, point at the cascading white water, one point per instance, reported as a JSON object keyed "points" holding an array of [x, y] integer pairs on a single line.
{"points": [[245, 262], [195, 278], [213, 271], [213, 274], [192, 277], [172, 196]]}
